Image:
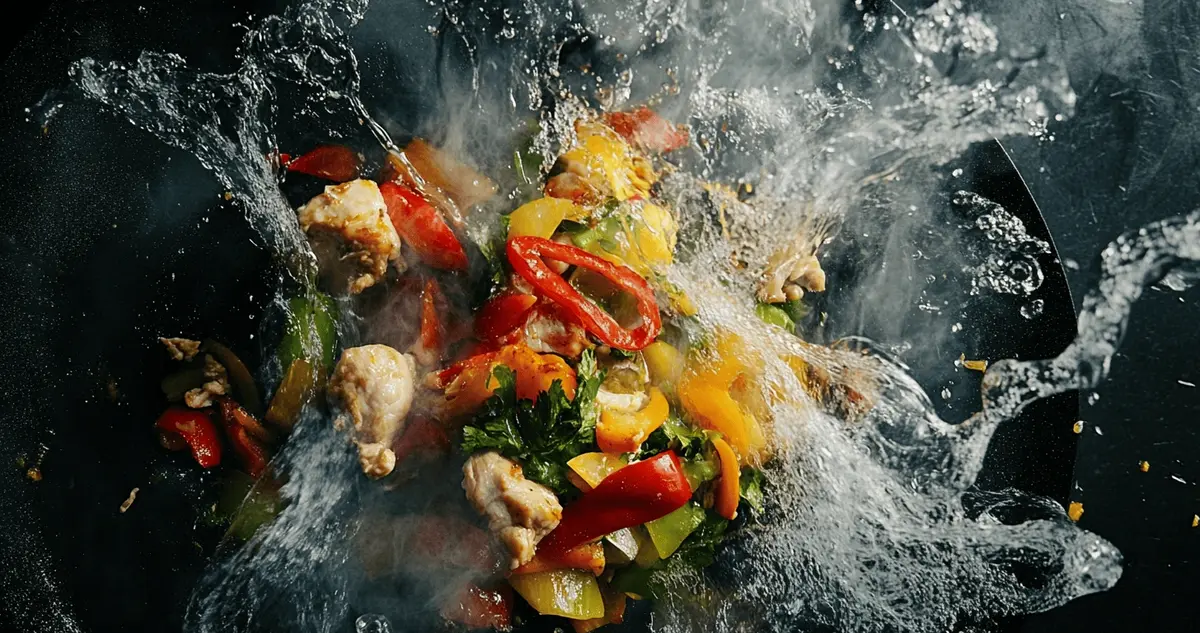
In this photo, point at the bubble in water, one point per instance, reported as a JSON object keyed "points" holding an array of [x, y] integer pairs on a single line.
{"points": [[1033, 309], [372, 623]]}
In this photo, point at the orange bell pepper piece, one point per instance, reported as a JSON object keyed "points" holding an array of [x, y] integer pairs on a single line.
{"points": [[624, 431], [469, 383], [729, 489]]}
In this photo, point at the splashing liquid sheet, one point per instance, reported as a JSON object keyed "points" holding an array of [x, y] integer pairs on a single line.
{"points": [[873, 527]]}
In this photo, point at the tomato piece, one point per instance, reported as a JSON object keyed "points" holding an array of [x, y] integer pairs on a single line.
{"points": [[193, 428], [332, 162], [423, 228], [502, 315]]}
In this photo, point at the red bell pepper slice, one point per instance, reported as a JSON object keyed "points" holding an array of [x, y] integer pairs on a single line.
{"points": [[640, 492], [526, 254], [647, 130], [332, 162], [501, 315], [193, 427], [423, 228], [479, 608], [432, 336], [247, 436]]}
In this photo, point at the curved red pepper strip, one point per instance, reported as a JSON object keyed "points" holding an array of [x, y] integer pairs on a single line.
{"points": [[526, 254], [196, 429], [640, 492]]}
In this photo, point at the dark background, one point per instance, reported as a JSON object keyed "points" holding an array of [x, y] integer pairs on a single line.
{"points": [[1129, 156]]}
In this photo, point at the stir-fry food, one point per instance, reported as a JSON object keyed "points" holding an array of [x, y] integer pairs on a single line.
{"points": [[597, 443]]}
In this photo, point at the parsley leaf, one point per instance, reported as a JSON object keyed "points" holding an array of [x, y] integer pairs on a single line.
{"points": [[752, 487], [541, 435]]}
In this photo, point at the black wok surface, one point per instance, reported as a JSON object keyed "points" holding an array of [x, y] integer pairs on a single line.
{"points": [[112, 239]]}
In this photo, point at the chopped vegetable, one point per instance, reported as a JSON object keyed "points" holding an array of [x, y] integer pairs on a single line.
{"points": [[669, 532], [240, 378], [729, 490], [465, 186], [331, 162], [664, 362], [645, 129], [541, 217], [543, 434], [638, 493], [752, 483], [592, 468], [525, 255], [298, 386], [431, 341], [468, 384], [614, 612], [1075, 510], [479, 608], [588, 557], [502, 314], [422, 227], [239, 426], [179, 427], [774, 315], [569, 593], [621, 547], [624, 431], [310, 331]]}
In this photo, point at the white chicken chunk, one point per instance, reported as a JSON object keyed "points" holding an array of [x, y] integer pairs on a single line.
{"points": [[520, 512], [351, 233], [216, 383], [373, 385]]}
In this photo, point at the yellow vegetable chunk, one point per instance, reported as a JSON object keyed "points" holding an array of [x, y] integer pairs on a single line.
{"points": [[624, 431], [664, 362], [570, 593], [592, 468], [709, 403], [541, 217]]}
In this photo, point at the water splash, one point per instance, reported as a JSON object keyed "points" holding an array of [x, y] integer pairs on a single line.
{"points": [[875, 525]]}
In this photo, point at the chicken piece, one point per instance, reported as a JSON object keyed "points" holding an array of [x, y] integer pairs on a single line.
{"points": [[790, 273], [216, 383], [351, 233], [520, 512], [549, 331], [374, 386], [181, 349]]}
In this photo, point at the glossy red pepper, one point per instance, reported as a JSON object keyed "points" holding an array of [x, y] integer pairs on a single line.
{"points": [[429, 345], [501, 315], [526, 254], [479, 608], [422, 227], [647, 130], [247, 436], [638, 493], [192, 427], [332, 162]]}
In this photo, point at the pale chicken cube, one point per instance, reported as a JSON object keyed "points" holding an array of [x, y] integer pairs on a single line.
{"points": [[351, 233], [373, 385], [547, 332], [520, 512], [181, 349]]}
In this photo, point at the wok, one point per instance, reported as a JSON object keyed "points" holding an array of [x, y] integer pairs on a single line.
{"points": [[110, 239]]}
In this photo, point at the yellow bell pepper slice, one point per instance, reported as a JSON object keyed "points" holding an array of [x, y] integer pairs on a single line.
{"points": [[541, 217], [664, 362], [624, 431], [570, 593], [729, 489], [592, 468]]}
